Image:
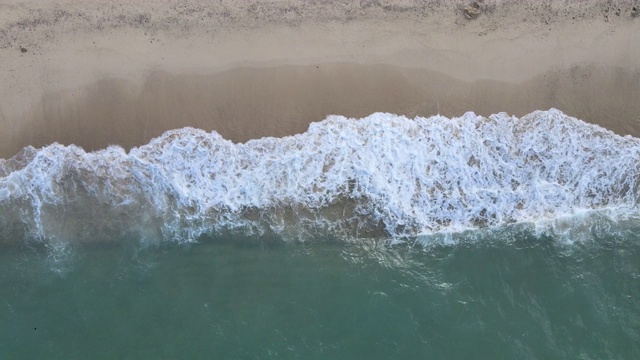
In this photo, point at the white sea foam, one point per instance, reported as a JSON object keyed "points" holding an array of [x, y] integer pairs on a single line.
{"points": [[384, 176]]}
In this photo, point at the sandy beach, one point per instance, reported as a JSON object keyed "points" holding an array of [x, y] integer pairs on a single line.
{"points": [[95, 73]]}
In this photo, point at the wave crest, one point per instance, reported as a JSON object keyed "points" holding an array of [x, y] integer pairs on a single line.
{"points": [[381, 176]]}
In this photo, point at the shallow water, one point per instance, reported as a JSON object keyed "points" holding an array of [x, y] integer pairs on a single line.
{"points": [[378, 238], [520, 296]]}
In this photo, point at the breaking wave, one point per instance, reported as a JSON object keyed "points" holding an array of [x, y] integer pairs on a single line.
{"points": [[383, 176]]}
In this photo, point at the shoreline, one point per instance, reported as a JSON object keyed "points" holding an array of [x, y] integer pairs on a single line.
{"points": [[95, 75], [248, 103]]}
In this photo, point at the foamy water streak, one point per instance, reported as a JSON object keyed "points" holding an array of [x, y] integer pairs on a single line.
{"points": [[384, 175]]}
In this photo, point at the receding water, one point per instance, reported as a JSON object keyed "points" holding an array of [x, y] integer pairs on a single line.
{"points": [[513, 295]]}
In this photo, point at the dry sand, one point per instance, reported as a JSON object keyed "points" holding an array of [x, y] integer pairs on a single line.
{"points": [[95, 73]]}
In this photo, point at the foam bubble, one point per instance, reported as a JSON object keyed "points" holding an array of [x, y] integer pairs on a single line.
{"points": [[381, 176]]}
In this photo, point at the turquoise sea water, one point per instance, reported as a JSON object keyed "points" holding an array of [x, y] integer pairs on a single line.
{"points": [[509, 296], [378, 238]]}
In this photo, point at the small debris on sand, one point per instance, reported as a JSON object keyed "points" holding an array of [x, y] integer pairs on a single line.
{"points": [[472, 11], [635, 12], [23, 50]]}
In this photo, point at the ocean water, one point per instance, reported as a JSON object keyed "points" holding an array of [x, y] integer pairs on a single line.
{"points": [[375, 238]]}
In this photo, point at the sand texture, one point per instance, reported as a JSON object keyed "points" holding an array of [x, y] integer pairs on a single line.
{"points": [[95, 73]]}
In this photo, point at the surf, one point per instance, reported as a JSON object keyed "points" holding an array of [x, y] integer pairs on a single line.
{"points": [[383, 176]]}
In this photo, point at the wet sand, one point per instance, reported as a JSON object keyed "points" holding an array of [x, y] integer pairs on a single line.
{"points": [[95, 74]]}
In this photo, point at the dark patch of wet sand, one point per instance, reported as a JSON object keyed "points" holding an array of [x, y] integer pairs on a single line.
{"points": [[248, 103]]}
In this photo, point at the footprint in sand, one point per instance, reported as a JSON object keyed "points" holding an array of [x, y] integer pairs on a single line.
{"points": [[472, 11]]}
